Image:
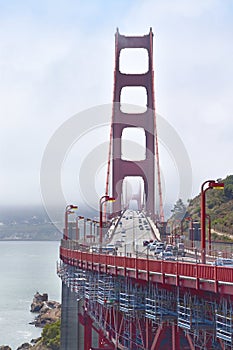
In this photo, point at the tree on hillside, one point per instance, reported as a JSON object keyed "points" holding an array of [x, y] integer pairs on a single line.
{"points": [[179, 210], [228, 187], [219, 205], [51, 335]]}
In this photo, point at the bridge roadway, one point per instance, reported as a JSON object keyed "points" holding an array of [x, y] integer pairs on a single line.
{"points": [[91, 281], [134, 260], [131, 230]]}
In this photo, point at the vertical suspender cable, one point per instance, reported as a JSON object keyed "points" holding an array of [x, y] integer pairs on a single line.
{"points": [[161, 212], [111, 127]]}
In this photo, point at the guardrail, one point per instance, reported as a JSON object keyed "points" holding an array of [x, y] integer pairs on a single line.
{"points": [[216, 279]]}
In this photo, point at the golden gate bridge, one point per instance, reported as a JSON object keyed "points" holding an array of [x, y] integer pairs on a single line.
{"points": [[115, 294]]}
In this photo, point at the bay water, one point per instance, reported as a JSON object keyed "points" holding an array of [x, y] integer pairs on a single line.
{"points": [[25, 268]]}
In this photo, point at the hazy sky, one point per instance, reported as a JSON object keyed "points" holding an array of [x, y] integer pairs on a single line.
{"points": [[57, 59]]}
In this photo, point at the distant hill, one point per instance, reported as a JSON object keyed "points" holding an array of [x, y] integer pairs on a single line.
{"points": [[219, 205], [27, 223], [30, 223]]}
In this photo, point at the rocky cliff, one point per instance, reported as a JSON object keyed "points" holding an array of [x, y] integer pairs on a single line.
{"points": [[48, 312]]}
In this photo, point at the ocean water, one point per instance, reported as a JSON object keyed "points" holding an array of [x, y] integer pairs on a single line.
{"points": [[25, 268]]}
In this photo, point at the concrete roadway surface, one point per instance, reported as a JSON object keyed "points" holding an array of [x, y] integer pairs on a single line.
{"points": [[132, 229]]}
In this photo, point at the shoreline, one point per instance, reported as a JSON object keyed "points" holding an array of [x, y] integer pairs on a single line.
{"points": [[47, 312]]}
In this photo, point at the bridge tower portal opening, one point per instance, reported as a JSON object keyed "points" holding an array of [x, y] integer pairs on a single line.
{"points": [[133, 193]]}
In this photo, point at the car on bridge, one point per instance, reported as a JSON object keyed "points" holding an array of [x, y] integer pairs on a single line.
{"points": [[169, 248], [166, 256], [156, 244], [152, 245], [146, 242], [223, 262], [159, 249], [180, 249]]}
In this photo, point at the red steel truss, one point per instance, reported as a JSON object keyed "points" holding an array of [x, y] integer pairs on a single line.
{"points": [[120, 120], [134, 303], [209, 278], [142, 304]]}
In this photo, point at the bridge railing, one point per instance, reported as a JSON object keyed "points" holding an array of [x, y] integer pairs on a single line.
{"points": [[75, 254], [218, 249]]}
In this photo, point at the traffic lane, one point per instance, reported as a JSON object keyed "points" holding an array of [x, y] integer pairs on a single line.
{"points": [[131, 231]]}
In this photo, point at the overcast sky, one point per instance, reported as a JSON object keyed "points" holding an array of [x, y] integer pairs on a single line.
{"points": [[57, 59]]}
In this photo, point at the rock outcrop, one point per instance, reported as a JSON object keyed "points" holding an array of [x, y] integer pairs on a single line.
{"points": [[25, 346], [49, 311], [40, 346], [36, 340], [38, 301]]}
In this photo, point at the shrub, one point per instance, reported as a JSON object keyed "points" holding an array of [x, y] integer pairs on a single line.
{"points": [[51, 335]]}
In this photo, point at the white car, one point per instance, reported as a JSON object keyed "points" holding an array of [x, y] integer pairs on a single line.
{"points": [[156, 245], [159, 250], [168, 248], [223, 262], [152, 245], [166, 256]]}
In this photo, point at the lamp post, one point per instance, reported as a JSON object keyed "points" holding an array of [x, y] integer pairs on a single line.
{"points": [[102, 200], [209, 232], [77, 228], [91, 234], [69, 210], [85, 230], [191, 229], [95, 229], [209, 184]]}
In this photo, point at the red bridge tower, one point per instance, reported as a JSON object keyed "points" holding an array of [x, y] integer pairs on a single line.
{"points": [[144, 168]]}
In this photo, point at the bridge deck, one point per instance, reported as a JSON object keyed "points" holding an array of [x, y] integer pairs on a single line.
{"points": [[187, 275], [132, 259]]}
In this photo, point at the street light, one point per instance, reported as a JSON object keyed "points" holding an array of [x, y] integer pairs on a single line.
{"points": [[85, 230], [191, 229], [95, 229], [91, 234], [77, 228], [210, 185], [102, 200], [69, 210], [209, 229]]}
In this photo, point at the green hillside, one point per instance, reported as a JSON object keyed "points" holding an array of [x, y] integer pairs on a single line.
{"points": [[219, 205]]}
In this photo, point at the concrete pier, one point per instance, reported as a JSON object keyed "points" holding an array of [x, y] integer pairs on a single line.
{"points": [[69, 320]]}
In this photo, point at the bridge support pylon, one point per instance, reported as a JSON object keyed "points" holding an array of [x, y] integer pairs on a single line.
{"points": [[69, 319], [144, 168], [175, 337]]}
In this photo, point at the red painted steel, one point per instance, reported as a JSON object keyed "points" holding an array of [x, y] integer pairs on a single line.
{"points": [[190, 342], [159, 333], [175, 338], [188, 275], [144, 168], [180, 276]]}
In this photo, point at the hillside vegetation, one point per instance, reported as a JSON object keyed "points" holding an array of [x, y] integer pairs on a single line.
{"points": [[219, 205], [51, 335]]}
